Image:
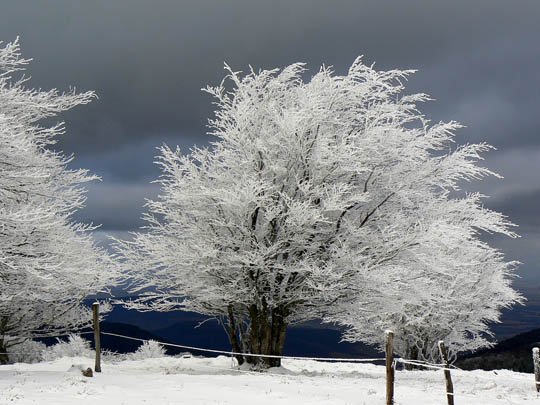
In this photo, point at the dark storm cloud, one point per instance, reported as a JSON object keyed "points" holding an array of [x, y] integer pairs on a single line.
{"points": [[116, 206], [148, 60], [133, 161], [493, 90], [523, 208]]}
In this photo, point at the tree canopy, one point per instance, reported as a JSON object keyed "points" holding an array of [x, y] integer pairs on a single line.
{"points": [[48, 262], [330, 198]]}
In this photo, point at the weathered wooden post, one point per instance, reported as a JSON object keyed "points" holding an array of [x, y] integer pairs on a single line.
{"points": [[389, 367], [97, 340], [447, 375], [536, 364]]}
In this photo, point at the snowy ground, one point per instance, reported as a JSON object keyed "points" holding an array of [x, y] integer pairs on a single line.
{"points": [[172, 380]]}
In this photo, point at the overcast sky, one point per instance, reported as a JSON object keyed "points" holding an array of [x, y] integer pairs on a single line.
{"points": [[148, 60]]}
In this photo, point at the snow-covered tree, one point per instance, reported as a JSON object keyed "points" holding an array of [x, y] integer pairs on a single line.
{"points": [[312, 193], [447, 286], [48, 262]]}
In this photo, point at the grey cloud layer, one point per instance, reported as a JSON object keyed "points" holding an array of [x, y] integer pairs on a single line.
{"points": [[148, 60]]}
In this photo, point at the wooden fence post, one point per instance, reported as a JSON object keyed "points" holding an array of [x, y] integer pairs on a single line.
{"points": [[97, 340], [389, 367], [447, 375], [536, 364]]}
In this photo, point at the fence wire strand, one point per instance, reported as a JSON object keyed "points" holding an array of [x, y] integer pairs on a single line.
{"points": [[230, 353]]}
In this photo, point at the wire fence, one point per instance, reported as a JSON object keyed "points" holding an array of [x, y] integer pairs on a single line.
{"points": [[287, 375], [396, 360]]}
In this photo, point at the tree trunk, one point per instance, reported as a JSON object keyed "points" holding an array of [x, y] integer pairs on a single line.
{"points": [[233, 332], [268, 337], [265, 335], [4, 358], [412, 353]]}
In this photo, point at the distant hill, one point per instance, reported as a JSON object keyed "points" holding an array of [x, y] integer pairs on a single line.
{"points": [[118, 344], [514, 354], [324, 342], [122, 345], [305, 341], [190, 329]]}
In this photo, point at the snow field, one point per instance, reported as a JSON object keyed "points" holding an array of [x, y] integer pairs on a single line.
{"points": [[193, 380]]}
